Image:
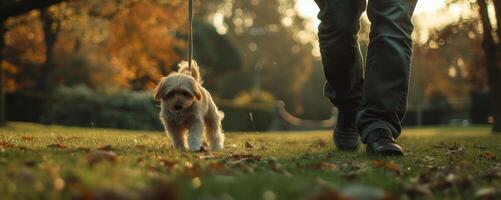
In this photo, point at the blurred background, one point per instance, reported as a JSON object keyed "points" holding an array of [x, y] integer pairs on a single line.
{"points": [[94, 63]]}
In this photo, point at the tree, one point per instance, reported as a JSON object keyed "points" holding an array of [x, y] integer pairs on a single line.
{"points": [[492, 54], [11, 9], [276, 46], [491, 48]]}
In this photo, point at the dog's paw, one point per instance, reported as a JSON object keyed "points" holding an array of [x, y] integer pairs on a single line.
{"points": [[217, 147], [195, 147]]}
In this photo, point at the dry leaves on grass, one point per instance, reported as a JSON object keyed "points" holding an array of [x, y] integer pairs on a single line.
{"points": [[168, 164], [488, 193], [57, 146], [5, 144], [487, 155], [455, 152], [249, 145], [161, 189], [417, 190], [27, 138], [216, 166], [98, 156], [324, 166], [107, 147], [440, 178], [388, 165], [324, 192], [492, 175], [244, 158], [191, 170]]}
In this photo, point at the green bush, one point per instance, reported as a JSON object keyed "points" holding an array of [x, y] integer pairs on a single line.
{"points": [[81, 106]]}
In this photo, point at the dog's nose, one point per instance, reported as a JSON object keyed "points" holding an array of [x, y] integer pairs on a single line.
{"points": [[178, 107]]}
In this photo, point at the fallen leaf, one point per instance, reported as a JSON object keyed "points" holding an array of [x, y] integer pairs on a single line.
{"points": [[327, 193], [245, 157], [275, 165], [488, 193], [269, 195], [324, 166], [492, 175], [248, 145], [30, 163], [488, 156], [6, 144], [389, 165], [168, 164], [207, 157], [455, 152], [363, 192], [98, 156], [57, 146], [191, 170], [58, 184], [216, 166], [107, 147], [161, 189], [414, 191], [27, 138], [196, 183]]}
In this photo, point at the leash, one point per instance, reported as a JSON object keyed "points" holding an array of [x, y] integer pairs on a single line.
{"points": [[190, 33]]}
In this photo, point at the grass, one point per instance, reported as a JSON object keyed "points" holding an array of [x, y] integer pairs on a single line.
{"points": [[55, 162]]}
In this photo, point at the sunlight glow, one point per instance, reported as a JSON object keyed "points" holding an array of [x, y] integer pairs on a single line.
{"points": [[427, 9]]}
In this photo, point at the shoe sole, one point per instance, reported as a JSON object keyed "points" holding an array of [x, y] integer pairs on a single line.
{"points": [[385, 152]]}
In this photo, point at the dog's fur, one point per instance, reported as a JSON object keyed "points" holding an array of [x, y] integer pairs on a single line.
{"points": [[187, 109]]}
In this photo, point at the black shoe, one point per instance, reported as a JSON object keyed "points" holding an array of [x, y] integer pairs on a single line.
{"points": [[346, 136], [380, 142]]}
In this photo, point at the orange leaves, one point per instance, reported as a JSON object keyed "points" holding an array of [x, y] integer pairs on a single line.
{"points": [[324, 166], [487, 155], [143, 42], [5, 144], [98, 156], [388, 165]]}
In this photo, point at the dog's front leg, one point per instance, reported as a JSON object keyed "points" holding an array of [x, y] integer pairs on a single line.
{"points": [[177, 136], [195, 135]]}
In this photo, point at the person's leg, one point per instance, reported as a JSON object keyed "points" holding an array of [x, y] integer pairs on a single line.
{"points": [[384, 99], [342, 63]]}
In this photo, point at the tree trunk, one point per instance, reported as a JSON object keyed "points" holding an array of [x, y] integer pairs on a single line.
{"points": [[3, 30], [50, 35], [493, 71], [497, 9]]}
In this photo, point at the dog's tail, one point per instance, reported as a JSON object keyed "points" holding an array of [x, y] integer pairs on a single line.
{"points": [[194, 72]]}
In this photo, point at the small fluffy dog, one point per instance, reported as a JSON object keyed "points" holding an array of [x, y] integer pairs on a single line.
{"points": [[188, 109]]}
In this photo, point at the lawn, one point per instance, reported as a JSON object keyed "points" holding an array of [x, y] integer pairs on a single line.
{"points": [[56, 162]]}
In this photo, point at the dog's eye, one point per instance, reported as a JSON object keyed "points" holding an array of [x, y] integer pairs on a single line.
{"points": [[186, 94], [169, 95]]}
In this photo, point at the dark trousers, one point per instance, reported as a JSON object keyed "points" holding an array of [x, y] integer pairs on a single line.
{"points": [[380, 97]]}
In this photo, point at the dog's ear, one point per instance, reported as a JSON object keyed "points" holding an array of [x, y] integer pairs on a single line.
{"points": [[197, 91], [159, 91]]}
